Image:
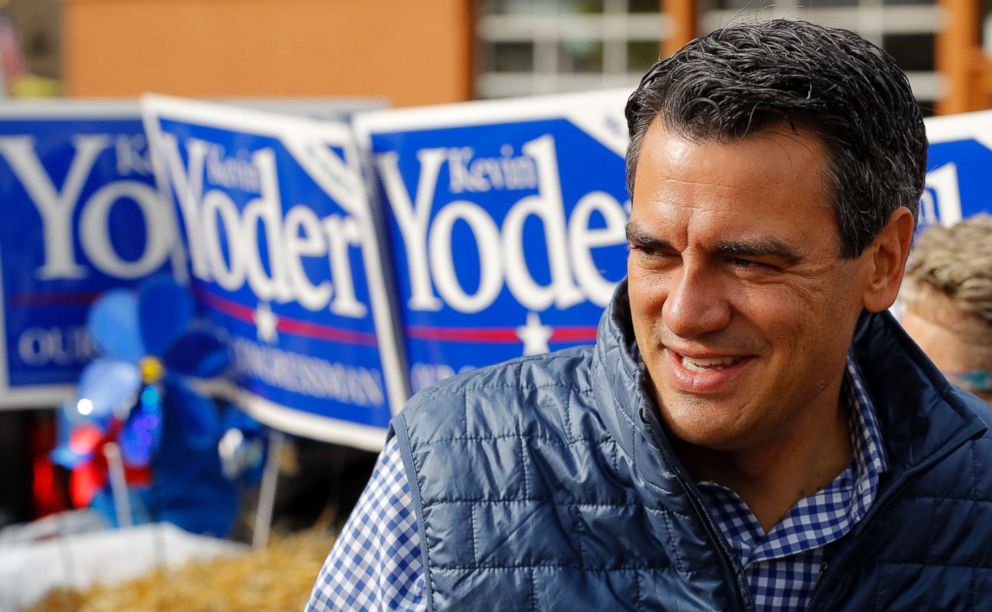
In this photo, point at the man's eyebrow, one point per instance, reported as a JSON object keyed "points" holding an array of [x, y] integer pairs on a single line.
{"points": [[636, 235], [760, 247], [767, 246]]}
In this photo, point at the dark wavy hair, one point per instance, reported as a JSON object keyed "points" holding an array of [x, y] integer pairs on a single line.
{"points": [[748, 77]]}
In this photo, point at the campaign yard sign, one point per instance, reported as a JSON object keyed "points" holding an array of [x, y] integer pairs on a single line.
{"points": [[506, 222], [282, 250], [79, 214], [958, 164]]}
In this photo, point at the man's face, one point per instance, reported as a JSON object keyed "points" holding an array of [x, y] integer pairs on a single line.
{"points": [[742, 308]]}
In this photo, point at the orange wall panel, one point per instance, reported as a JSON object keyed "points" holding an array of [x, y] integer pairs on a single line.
{"points": [[411, 52]]}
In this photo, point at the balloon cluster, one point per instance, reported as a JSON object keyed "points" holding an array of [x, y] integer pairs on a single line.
{"points": [[138, 413]]}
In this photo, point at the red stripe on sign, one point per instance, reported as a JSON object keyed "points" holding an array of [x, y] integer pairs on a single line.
{"points": [[574, 334], [464, 334], [59, 299], [325, 332], [226, 306], [288, 324]]}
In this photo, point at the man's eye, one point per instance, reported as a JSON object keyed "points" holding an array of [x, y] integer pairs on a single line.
{"points": [[649, 251], [747, 264]]}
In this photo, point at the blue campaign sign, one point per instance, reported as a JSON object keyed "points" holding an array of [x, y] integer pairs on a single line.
{"points": [[283, 253], [80, 215], [958, 180], [506, 223]]}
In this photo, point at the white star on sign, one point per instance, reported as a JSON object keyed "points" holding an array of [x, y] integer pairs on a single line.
{"points": [[266, 322], [534, 335]]}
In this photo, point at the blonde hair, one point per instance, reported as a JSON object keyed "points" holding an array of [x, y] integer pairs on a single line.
{"points": [[955, 262]]}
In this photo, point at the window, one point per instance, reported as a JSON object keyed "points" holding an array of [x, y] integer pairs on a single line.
{"points": [[546, 46]]}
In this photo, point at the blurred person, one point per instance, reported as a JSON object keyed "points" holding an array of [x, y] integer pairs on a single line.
{"points": [[12, 64], [947, 300], [752, 429]]}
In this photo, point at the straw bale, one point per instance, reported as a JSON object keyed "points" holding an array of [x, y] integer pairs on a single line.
{"points": [[278, 577]]}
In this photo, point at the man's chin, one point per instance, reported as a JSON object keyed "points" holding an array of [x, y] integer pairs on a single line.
{"points": [[704, 422]]}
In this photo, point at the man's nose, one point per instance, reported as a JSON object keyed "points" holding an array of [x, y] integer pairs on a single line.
{"points": [[697, 302]]}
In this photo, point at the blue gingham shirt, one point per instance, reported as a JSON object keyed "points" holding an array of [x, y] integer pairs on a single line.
{"points": [[376, 563]]}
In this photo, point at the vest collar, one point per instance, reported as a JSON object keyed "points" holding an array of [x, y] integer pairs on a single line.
{"points": [[922, 417], [629, 411]]}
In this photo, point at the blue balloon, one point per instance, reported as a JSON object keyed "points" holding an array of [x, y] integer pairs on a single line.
{"points": [[165, 310], [189, 487], [198, 353], [107, 386], [196, 416], [113, 324]]}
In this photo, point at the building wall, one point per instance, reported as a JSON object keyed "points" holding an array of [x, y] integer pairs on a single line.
{"points": [[411, 52]]}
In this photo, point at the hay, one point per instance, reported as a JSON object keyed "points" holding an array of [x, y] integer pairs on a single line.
{"points": [[278, 577]]}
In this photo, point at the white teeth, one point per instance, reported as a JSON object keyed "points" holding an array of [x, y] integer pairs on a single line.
{"points": [[702, 365]]}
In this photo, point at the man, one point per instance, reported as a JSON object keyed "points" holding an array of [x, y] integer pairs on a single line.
{"points": [[752, 430], [948, 301]]}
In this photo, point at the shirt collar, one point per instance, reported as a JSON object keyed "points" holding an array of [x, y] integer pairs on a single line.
{"points": [[868, 456]]}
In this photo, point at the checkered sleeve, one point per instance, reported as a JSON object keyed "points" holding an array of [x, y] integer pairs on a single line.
{"points": [[376, 562]]}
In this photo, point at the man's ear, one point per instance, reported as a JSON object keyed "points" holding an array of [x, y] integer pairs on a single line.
{"points": [[887, 260]]}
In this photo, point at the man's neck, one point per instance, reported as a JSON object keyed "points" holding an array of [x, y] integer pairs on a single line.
{"points": [[772, 476]]}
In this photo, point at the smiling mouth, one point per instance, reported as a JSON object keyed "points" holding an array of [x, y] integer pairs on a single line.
{"points": [[706, 375], [697, 364]]}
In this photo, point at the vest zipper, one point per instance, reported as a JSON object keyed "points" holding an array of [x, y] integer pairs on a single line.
{"points": [[731, 568], [888, 496]]}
